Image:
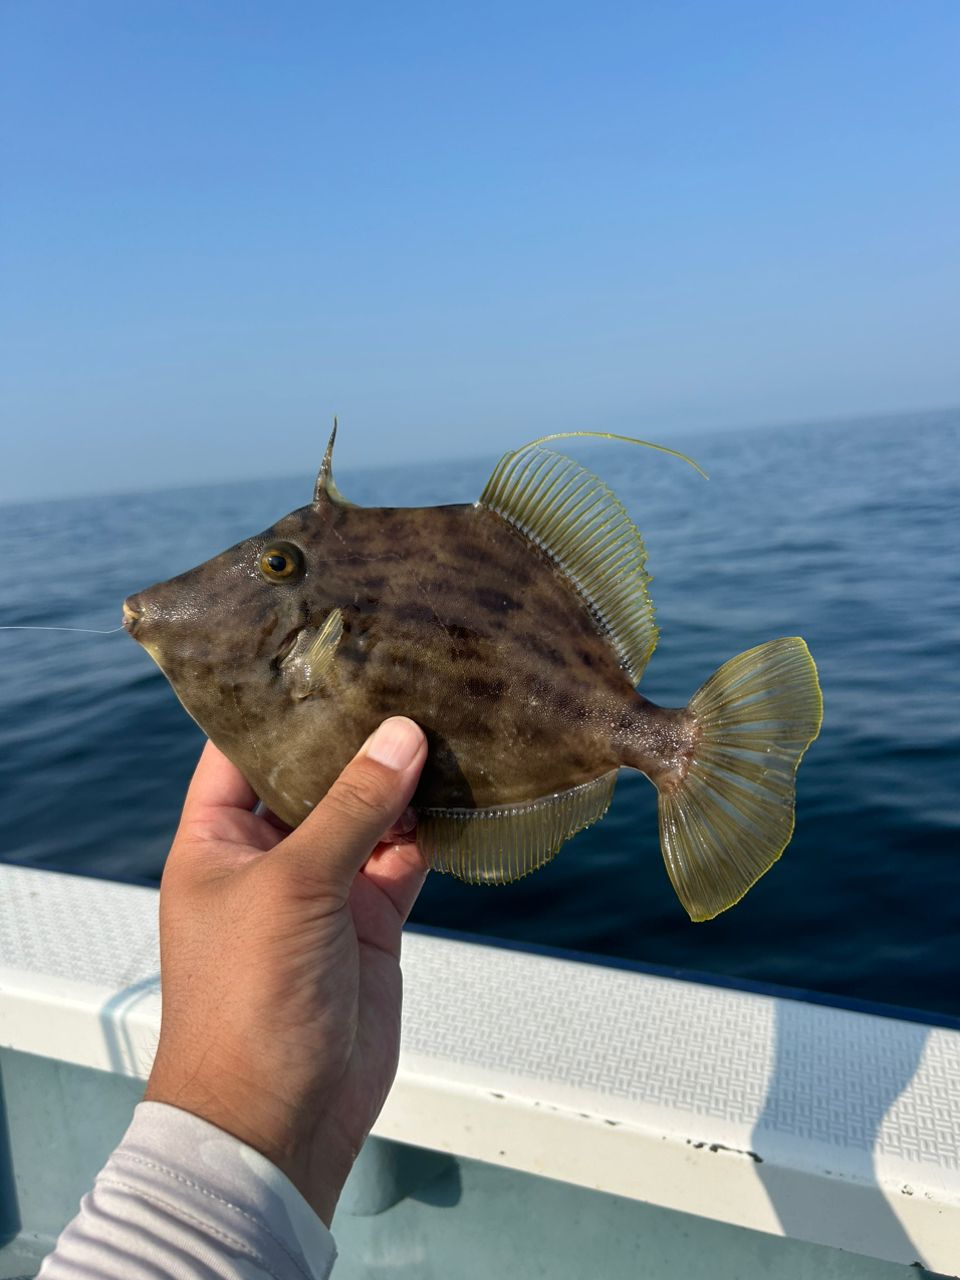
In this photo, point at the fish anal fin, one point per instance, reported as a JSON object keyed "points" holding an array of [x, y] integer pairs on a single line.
{"points": [[309, 664], [504, 843], [583, 527]]}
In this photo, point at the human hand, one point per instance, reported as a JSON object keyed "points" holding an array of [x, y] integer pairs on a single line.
{"points": [[279, 956]]}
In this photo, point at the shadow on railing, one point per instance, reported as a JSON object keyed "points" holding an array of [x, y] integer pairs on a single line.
{"points": [[125, 1055], [9, 1206], [386, 1172], [837, 1089]]}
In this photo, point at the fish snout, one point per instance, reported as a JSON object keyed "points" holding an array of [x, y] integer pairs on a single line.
{"points": [[146, 621], [132, 614]]}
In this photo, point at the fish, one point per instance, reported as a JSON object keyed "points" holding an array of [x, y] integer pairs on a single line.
{"points": [[515, 631]]}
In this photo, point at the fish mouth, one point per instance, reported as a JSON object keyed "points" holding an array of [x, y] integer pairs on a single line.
{"points": [[131, 615]]}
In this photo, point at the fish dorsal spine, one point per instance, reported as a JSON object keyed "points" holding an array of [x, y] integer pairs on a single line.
{"points": [[583, 527], [325, 488]]}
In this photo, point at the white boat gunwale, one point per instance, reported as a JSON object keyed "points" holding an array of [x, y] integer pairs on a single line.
{"points": [[794, 1117]]}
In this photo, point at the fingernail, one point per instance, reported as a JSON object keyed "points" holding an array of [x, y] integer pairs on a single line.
{"points": [[395, 743]]}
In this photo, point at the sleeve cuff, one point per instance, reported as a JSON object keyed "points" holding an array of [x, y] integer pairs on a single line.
{"points": [[202, 1172]]}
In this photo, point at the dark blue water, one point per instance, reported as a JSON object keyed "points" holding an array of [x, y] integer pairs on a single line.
{"points": [[845, 534]]}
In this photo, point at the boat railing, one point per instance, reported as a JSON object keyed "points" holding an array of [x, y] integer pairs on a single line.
{"points": [[789, 1117]]}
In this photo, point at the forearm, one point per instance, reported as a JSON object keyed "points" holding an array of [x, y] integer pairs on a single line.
{"points": [[178, 1197]]}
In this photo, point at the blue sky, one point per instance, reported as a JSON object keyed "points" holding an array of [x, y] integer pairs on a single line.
{"points": [[459, 225]]}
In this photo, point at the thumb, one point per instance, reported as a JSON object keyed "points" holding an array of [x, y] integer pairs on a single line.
{"points": [[335, 840]]}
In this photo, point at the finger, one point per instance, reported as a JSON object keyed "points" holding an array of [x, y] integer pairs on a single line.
{"points": [[216, 784], [335, 840], [269, 816], [399, 871], [218, 803], [401, 829]]}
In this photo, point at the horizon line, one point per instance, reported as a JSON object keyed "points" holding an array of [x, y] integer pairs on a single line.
{"points": [[845, 419]]}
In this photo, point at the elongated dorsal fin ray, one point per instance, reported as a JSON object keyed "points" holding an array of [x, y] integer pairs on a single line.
{"points": [[612, 435], [576, 520], [497, 845], [325, 489]]}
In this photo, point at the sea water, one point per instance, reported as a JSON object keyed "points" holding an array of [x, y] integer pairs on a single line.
{"points": [[847, 534]]}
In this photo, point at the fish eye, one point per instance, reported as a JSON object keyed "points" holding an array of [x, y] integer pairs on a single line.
{"points": [[281, 562]]}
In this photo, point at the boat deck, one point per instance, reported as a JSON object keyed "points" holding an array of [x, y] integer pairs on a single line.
{"points": [[550, 1116]]}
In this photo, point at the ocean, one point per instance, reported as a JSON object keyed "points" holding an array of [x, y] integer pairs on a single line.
{"points": [[845, 533]]}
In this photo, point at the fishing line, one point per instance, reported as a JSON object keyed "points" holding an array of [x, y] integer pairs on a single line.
{"points": [[89, 630]]}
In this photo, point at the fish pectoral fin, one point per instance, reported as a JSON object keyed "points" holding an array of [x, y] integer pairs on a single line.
{"points": [[579, 523], [309, 664], [500, 844]]}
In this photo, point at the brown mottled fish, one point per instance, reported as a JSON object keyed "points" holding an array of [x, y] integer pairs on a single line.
{"points": [[514, 631]]}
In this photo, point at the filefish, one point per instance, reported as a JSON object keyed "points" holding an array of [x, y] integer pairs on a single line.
{"points": [[514, 631]]}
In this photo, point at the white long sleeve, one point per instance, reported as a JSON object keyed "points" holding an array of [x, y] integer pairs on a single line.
{"points": [[181, 1199]]}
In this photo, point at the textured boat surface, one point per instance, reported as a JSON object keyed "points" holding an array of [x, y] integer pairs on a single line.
{"points": [[547, 1112]]}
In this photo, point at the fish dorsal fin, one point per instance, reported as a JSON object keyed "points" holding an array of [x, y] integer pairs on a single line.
{"points": [[573, 517], [308, 664], [497, 845], [325, 489]]}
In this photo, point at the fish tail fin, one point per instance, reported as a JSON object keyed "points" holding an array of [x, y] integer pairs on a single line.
{"points": [[732, 815]]}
